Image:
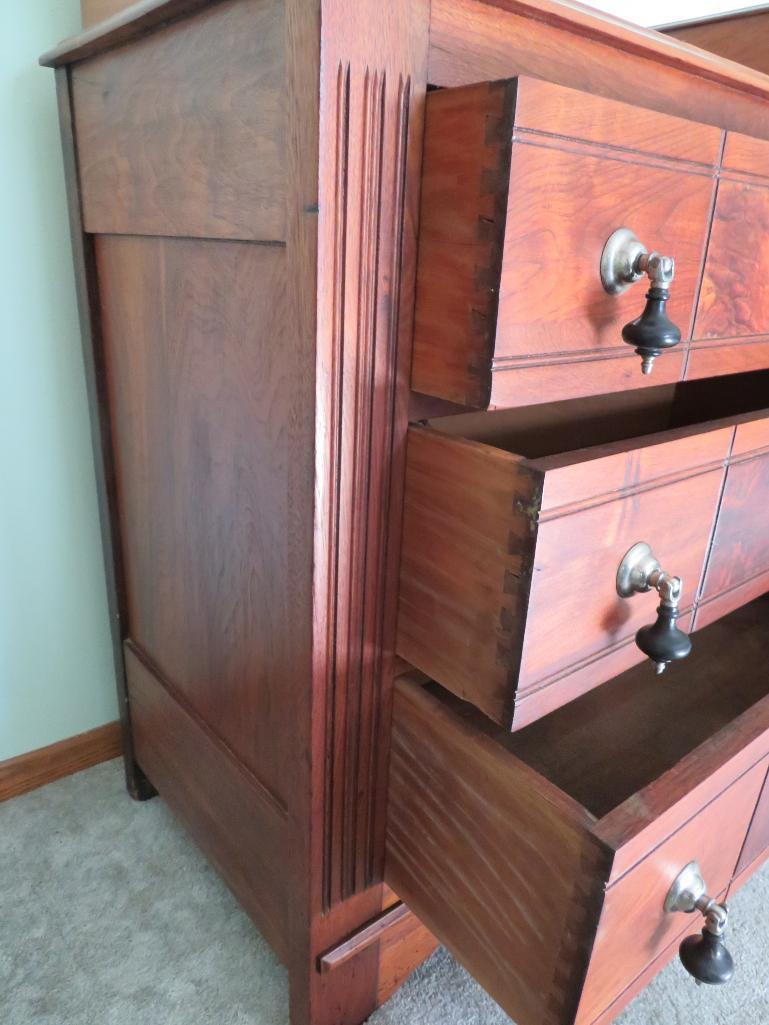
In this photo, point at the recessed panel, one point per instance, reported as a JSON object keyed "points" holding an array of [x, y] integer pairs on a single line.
{"points": [[201, 383]]}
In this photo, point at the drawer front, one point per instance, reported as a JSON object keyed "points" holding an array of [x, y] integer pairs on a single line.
{"points": [[738, 568], [508, 595], [561, 210], [757, 841], [633, 931], [574, 612], [735, 289], [731, 333], [523, 183], [509, 872]]}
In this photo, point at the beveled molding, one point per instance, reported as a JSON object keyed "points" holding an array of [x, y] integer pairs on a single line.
{"points": [[46, 764], [370, 145]]}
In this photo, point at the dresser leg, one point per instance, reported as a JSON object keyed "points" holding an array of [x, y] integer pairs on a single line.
{"points": [[139, 787], [137, 784]]}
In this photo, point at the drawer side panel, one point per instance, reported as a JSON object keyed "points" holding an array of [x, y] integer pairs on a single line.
{"points": [[468, 541], [495, 861]]}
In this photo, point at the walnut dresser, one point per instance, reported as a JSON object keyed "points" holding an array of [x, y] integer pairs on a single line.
{"points": [[427, 345]]}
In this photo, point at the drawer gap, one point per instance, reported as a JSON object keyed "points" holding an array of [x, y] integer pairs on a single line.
{"points": [[612, 742]]}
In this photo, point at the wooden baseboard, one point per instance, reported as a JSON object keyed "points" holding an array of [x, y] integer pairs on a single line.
{"points": [[35, 769]]}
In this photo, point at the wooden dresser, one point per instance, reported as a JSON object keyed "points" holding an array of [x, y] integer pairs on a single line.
{"points": [[427, 345]]}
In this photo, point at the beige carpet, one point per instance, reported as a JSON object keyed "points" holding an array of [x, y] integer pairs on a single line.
{"points": [[109, 916]]}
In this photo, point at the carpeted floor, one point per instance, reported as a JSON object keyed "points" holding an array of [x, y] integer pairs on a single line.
{"points": [[109, 916]]}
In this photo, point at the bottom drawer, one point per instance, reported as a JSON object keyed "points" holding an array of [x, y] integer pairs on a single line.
{"points": [[542, 859]]}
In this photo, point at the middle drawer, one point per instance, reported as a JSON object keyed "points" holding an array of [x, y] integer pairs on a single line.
{"points": [[513, 536]]}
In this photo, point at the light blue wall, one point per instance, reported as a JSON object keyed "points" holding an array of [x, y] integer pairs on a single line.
{"points": [[56, 676]]}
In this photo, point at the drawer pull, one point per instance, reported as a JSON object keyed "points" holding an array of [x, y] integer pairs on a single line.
{"points": [[661, 641], [705, 956], [625, 260]]}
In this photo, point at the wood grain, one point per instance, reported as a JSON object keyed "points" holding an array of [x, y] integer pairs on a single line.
{"points": [[369, 934], [183, 133], [374, 80], [461, 230], [496, 299], [742, 153], [734, 300], [46, 764], [466, 567], [740, 37], [490, 602], [551, 297], [458, 784], [87, 293], [201, 400], [716, 359], [633, 929], [401, 950], [612, 744], [571, 45], [757, 840], [354, 180], [740, 543], [562, 41], [496, 862], [389, 929], [242, 832], [546, 107]]}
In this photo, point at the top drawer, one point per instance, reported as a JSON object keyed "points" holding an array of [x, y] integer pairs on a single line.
{"points": [[523, 183]]}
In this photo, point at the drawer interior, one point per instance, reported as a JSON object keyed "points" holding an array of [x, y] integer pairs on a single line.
{"points": [[551, 428], [612, 742]]}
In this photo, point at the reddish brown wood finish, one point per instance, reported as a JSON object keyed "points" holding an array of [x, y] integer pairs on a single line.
{"points": [[392, 922], [86, 287], [561, 41], [632, 932], [458, 788], [500, 599], [460, 808], [241, 828], [201, 395], [496, 296], [757, 841], [572, 45], [348, 181], [351, 245], [735, 293], [740, 37], [743, 153], [183, 133], [739, 563], [200, 327]]}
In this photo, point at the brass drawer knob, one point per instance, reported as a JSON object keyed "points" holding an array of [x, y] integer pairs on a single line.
{"points": [[625, 260], [706, 956], [661, 641]]}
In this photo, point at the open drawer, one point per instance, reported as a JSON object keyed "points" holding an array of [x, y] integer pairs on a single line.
{"points": [[542, 858], [516, 522], [523, 183]]}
